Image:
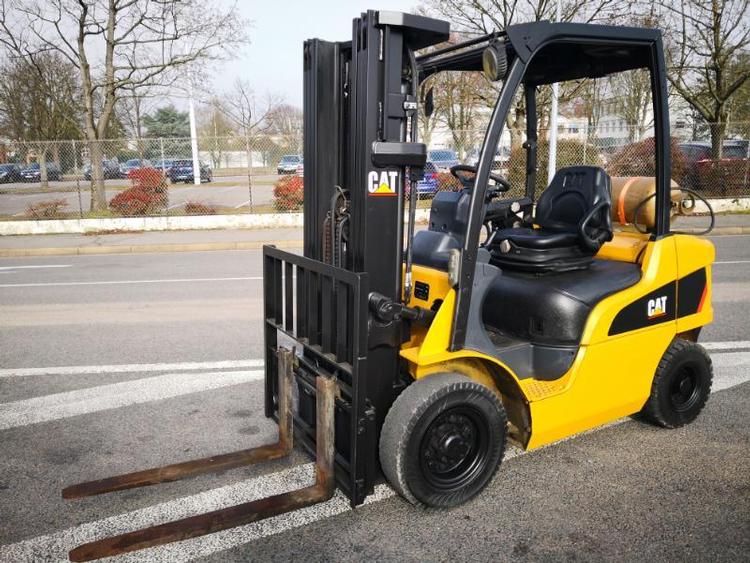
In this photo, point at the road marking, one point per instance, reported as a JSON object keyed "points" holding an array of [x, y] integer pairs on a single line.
{"points": [[726, 345], [220, 364], [128, 368], [733, 262], [35, 267], [126, 282], [55, 546], [116, 395], [243, 204]]}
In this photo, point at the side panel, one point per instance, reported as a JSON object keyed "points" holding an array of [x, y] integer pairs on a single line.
{"points": [[648, 303], [624, 339], [609, 380]]}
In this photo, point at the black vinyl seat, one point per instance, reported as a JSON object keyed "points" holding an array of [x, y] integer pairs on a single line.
{"points": [[573, 216]]}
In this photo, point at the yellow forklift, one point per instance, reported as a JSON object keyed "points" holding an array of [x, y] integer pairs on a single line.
{"points": [[417, 356]]}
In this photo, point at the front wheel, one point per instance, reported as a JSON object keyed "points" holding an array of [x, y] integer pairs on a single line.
{"points": [[681, 385], [443, 440]]}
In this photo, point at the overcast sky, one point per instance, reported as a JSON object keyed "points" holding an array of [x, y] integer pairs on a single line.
{"points": [[273, 60]]}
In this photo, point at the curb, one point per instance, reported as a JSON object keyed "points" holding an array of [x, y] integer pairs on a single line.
{"points": [[146, 248], [207, 246]]}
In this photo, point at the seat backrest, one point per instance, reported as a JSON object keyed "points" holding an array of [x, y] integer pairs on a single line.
{"points": [[572, 194]]}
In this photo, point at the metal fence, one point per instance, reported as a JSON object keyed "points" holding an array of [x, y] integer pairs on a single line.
{"points": [[53, 180]]}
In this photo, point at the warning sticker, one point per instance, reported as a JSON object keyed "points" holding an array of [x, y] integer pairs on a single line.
{"points": [[382, 183]]}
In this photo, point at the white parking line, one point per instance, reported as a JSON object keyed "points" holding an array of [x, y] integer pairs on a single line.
{"points": [[105, 397], [126, 282], [35, 267], [243, 204], [55, 546], [130, 368]]}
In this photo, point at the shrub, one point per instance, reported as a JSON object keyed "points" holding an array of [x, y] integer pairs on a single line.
{"points": [[199, 208], [639, 159], [725, 177], [288, 193], [570, 152], [148, 195], [51, 209]]}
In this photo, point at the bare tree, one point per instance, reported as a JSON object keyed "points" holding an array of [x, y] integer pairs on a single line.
{"points": [[633, 101], [477, 17], [484, 16], [118, 46], [39, 104], [251, 116], [460, 106], [707, 54], [214, 127]]}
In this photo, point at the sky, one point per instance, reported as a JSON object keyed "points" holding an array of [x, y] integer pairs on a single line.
{"points": [[273, 61]]}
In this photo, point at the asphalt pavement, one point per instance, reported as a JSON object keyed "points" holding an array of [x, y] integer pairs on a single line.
{"points": [[112, 363]]}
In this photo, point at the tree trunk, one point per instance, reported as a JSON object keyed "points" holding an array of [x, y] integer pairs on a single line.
{"points": [[718, 130], [98, 194]]}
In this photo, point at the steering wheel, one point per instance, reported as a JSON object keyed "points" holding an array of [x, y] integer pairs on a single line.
{"points": [[466, 180]]}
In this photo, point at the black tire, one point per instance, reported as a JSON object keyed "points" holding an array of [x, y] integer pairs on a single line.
{"points": [[443, 440], [681, 385]]}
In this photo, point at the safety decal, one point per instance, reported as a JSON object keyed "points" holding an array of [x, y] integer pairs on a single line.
{"points": [[653, 308], [383, 183], [678, 299]]}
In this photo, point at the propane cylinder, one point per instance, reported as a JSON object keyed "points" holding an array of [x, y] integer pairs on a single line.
{"points": [[629, 191]]}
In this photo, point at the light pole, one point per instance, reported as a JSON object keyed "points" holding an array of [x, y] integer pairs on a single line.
{"points": [[193, 134]]}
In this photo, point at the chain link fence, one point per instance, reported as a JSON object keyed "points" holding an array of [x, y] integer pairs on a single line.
{"points": [[137, 177], [155, 177]]}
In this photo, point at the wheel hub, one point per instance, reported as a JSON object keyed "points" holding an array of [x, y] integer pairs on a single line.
{"points": [[452, 449], [685, 389]]}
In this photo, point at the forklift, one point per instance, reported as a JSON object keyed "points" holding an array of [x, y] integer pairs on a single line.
{"points": [[417, 356]]}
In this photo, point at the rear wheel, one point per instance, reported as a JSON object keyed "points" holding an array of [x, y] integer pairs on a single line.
{"points": [[443, 440], [681, 385]]}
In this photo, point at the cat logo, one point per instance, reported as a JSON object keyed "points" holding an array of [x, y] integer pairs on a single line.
{"points": [[656, 307], [382, 183]]}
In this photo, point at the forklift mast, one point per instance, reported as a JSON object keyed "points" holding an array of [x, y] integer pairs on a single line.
{"points": [[360, 119]]}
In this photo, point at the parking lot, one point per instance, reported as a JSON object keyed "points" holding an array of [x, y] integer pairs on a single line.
{"points": [[224, 191]]}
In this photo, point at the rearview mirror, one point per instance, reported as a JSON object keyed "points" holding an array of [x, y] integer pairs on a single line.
{"points": [[494, 62]]}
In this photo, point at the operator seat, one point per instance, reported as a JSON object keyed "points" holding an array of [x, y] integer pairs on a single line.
{"points": [[573, 219]]}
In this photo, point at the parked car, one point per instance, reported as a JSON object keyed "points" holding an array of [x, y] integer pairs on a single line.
{"points": [[288, 164], [110, 170], [300, 170], [427, 187], [443, 159], [33, 173], [499, 162], [133, 164], [743, 145], [165, 165], [10, 173], [182, 171], [698, 151]]}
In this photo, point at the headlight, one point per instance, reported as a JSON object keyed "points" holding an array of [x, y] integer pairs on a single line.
{"points": [[494, 62]]}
